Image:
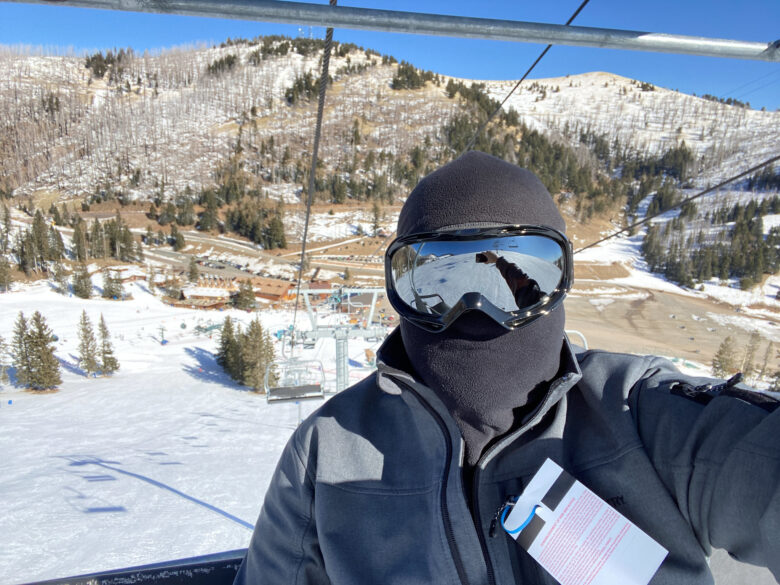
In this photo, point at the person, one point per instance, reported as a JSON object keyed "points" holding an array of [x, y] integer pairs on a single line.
{"points": [[399, 478], [524, 289]]}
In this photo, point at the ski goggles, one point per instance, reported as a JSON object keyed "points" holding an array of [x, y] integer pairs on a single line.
{"points": [[433, 278]]}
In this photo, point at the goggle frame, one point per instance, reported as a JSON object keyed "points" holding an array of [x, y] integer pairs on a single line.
{"points": [[475, 300]]}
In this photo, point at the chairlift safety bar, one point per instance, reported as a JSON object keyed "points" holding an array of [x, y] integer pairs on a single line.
{"points": [[302, 13]]}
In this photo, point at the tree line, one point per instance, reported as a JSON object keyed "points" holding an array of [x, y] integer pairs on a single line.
{"points": [[729, 360], [246, 355], [32, 347], [740, 250]]}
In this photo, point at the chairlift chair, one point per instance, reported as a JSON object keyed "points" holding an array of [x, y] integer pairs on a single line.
{"points": [[297, 380]]}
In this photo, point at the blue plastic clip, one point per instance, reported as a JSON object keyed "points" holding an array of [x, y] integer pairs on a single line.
{"points": [[523, 525]]}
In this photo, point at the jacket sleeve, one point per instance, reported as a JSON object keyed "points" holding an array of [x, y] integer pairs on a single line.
{"points": [[284, 548], [717, 450], [524, 289]]}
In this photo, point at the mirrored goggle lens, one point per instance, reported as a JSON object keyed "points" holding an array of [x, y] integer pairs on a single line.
{"points": [[432, 276]]}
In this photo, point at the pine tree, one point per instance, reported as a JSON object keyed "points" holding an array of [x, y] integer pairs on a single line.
{"points": [[44, 367], [40, 236], [193, 273], [82, 283], [139, 252], [108, 363], [56, 245], [724, 362], [112, 285], [4, 380], [245, 299], [97, 240], [87, 346], [173, 287], [20, 351], [747, 366], [152, 277], [6, 236], [177, 238], [5, 275], [228, 354], [79, 242], [60, 278], [256, 358]]}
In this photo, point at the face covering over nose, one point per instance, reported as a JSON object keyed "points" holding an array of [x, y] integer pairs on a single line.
{"points": [[487, 376]]}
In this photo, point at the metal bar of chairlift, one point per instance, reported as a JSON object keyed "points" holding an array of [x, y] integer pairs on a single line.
{"points": [[302, 13]]}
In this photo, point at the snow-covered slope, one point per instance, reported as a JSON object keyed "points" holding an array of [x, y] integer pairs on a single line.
{"points": [[167, 459]]}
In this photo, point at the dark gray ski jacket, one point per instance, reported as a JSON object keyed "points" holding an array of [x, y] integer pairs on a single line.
{"points": [[369, 489]]}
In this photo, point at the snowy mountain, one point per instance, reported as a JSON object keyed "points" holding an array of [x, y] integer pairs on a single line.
{"points": [[161, 122]]}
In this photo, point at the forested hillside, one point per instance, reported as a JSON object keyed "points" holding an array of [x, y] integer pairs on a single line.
{"points": [[219, 138]]}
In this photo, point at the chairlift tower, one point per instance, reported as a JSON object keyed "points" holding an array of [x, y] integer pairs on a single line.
{"points": [[342, 333]]}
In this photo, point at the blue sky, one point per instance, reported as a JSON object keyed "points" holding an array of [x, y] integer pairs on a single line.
{"points": [[751, 20]]}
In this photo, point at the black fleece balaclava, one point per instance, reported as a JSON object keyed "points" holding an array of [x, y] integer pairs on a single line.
{"points": [[483, 373]]}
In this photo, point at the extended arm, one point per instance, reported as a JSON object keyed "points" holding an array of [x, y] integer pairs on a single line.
{"points": [[718, 454], [525, 290]]}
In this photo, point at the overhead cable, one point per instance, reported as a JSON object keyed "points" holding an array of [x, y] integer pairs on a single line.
{"points": [[531, 68], [312, 174]]}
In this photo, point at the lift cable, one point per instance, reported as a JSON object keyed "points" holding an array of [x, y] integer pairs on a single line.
{"points": [[531, 68], [683, 202], [501, 105], [312, 174], [751, 82]]}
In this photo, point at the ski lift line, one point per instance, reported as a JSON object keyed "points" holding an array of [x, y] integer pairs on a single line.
{"points": [[760, 87], [302, 13], [683, 202], [315, 149], [526, 74], [751, 82]]}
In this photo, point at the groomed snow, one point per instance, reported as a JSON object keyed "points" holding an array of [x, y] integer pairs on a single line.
{"points": [[167, 459]]}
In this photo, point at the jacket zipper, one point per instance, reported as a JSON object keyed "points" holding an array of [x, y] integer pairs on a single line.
{"points": [[477, 470], [444, 508], [478, 525]]}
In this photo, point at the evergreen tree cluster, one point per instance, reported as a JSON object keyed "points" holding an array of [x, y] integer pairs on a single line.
{"points": [[112, 285], [32, 349], [409, 77], [727, 101], [730, 359], [739, 251], [259, 220], [81, 281], [36, 247], [245, 298], [246, 355], [557, 165], [108, 239], [100, 63], [765, 180], [677, 162], [305, 86], [5, 275], [95, 356], [665, 198], [222, 65]]}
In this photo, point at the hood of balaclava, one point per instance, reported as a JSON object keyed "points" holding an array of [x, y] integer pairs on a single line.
{"points": [[484, 374]]}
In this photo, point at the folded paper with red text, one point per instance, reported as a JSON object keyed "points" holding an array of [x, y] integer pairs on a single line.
{"points": [[576, 536]]}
